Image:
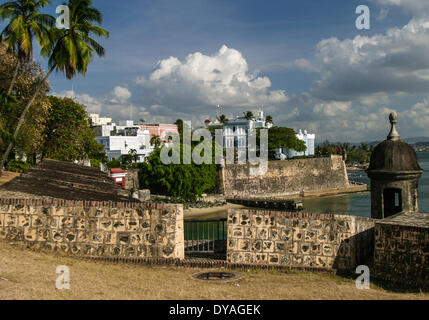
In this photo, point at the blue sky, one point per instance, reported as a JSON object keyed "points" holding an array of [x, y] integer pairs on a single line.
{"points": [[303, 61]]}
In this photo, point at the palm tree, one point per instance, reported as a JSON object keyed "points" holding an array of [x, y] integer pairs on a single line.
{"points": [[69, 50], [269, 119], [248, 115], [222, 119], [155, 141], [345, 149], [25, 24]]}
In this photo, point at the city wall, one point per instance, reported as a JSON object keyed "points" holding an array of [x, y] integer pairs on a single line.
{"points": [[285, 177], [302, 240], [402, 248], [95, 229]]}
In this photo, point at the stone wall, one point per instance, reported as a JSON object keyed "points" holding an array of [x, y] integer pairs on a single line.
{"points": [[95, 229], [300, 240], [402, 248], [285, 177]]}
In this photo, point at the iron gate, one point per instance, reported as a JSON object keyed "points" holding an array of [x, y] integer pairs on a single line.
{"points": [[205, 237]]}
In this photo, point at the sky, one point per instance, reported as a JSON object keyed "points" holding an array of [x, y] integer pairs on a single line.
{"points": [[303, 62]]}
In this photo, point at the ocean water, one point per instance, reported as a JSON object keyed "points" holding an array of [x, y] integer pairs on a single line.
{"points": [[360, 204]]}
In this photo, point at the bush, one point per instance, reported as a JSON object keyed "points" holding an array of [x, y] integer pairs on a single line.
{"points": [[18, 166]]}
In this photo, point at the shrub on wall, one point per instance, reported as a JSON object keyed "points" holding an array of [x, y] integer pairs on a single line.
{"points": [[186, 181], [18, 166]]}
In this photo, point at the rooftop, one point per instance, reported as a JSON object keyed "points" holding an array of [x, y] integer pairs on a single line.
{"points": [[64, 180]]}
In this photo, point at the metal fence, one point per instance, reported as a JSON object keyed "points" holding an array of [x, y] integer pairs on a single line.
{"points": [[206, 236]]}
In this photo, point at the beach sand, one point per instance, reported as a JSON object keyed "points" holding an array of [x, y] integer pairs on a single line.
{"points": [[208, 213]]}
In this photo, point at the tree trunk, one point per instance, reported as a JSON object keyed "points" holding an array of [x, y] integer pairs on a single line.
{"points": [[22, 118], [15, 75]]}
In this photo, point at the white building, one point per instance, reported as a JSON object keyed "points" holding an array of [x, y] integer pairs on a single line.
{"points": [[97, 121], [120, 140], [235, 131], [309, 140]]}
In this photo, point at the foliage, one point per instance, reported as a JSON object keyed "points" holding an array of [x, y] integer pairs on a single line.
{"points": [[351, 153], [69, 50], [30, 137], [25, 23], [222, 119], [129, 159], [248, 115], [155, 141], [269, 119], [327, 149], [18, 166], [186, 181], [114, 163], [282, 137], [68, 136]]}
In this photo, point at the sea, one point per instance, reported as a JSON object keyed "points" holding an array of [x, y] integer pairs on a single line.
{"points": [[357, 204]]}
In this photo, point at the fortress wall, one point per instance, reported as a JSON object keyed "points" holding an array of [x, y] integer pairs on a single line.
{"points": [[402, 248], [300, 240], [95, 229], [286, 177]]}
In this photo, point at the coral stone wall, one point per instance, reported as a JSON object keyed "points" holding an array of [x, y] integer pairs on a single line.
{"points": [[103, 229], [298, 239], [285, 177], [402, 248]]}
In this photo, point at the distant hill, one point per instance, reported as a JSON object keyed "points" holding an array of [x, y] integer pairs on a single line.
{"points": [[417, 141]]}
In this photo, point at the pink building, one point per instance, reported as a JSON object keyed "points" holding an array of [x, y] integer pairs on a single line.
{"points": [[161, 130]]}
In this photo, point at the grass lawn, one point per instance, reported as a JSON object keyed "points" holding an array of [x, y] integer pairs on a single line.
{"points": [[32, 275]]}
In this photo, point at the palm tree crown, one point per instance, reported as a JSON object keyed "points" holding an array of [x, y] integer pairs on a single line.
{"points": [[222, 119], [25, 23], [248, 115], [72, 49]]}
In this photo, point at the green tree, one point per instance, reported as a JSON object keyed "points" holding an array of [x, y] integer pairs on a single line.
{"points": [[269, 119], [282, 137], [326, 149], [68, 135], [248, 115], [222, 119], [69, 50], [155, 141], [186, 181], [345, 149], [26, 22], [30, 137]]}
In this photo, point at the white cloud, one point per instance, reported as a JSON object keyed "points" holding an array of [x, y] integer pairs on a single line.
{"points": [[418, 117], [121, 94], [417, 7], [115, 104], [208, 80], [394, 62]]}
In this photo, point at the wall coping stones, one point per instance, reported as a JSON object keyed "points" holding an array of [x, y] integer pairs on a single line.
{"points": [[75, 203], [299, 215], [407, 219]]}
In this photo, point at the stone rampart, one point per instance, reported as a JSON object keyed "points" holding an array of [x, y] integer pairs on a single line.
{"points": [[299, 240], [95, 229], [285, 177], [402, 248]]}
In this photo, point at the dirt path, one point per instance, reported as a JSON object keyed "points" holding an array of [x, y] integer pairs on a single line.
{"points": [[8, 176], [28, 275]]}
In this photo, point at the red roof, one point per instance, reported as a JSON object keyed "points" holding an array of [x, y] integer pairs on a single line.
{"points": [[117, 170]]}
